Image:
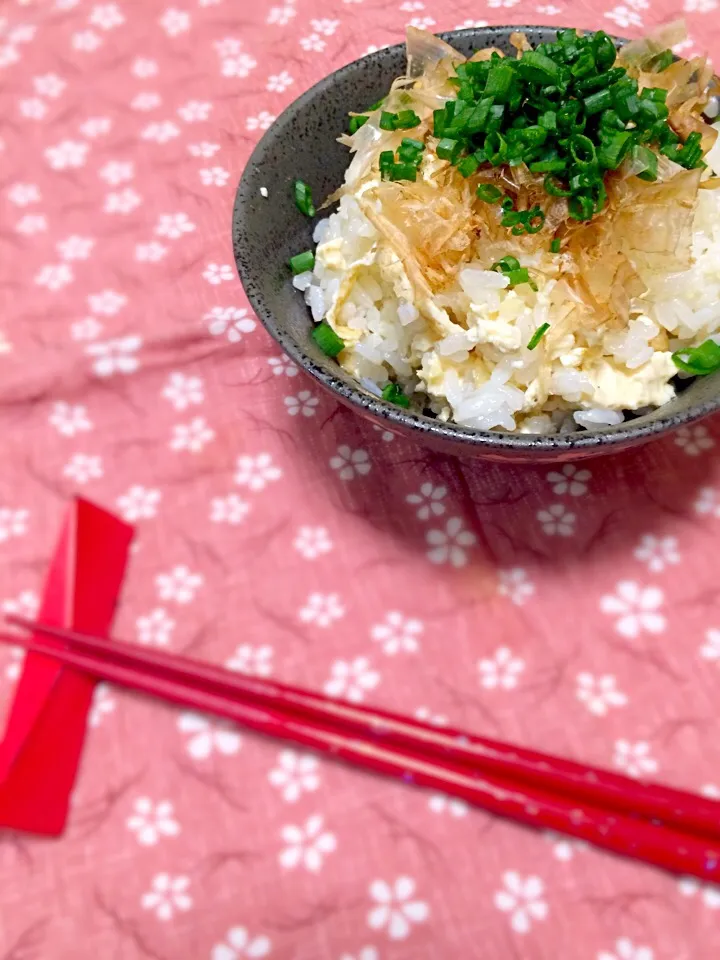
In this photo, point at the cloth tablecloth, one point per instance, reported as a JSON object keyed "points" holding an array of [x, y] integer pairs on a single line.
{"points": [[574, 609]]}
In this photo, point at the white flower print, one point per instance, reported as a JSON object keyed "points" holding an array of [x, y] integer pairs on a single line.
{"points": [[503, 3], [33, 108], [231, 509], [427, 716], [699, 6], [693, 440], [75, 247], [55, 276], [350, 463], [255, 661], [168, 895], [306, 845], [710, 650], [624, 17], [216, 273], [239, 66], [22, 33], [139, 503], [206, 737], [313, 42], [214, 176], [123, 201], [174, 225], [549, 10], [295, 774], [564, 847], [304, 403], [143, 67], [429, 500], [49, 85], [83, 468], [710, 791], [556, 520], [174, 21], [707, 502], [106, 16], [397, 633], [326, 27], [394, 907], [31, 223], [150, 252], [228, 46], [239, 944], [103, 704], [86, 40], [115, 356], [364, 953], [14, 668], [634, 758], [150, 821], [115, 172], [386, 435], [194, 111], [232, 322], [95, 127], [8, 55], [710, 893], [569, 480], [657, 552], [193, 436], [107, 302], [180, 584], [501, 670], [599, 693], [281, 15], [312, 542], [468, 24], [26, 604], [422, 23], [441, 803], [161, 131], [203, 149], [66, 155], [322, 609], [183, 391], [69, 420], [23, 193], [625, 949], [256, 472], [636, 607], [155, 629], [279, 82], [449, 545], [260, 121], [282, 366], [522, 899], [351, 679], [515, 585], [13, 523]]}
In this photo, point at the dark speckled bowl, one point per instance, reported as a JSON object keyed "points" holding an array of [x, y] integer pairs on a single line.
{"points": [[267, 232]]}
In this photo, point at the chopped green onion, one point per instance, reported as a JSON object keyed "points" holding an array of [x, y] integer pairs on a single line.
{"points": [[438, 123], [583, 150], [496, 148], [402, 171], [302, 262], [406, 119], [548, 120], [468, 165], [661, 61], [555, 246], [613, 149], [646, 157], [303, 198], [326, 338], [596, 102], [498, 82], [698, 361], [388, 120], [538, 335], [604, 49], [581, 207], [506, 265], [449, 149], [387, 161], [507, 204], [535, 220], [547, 166], [518, 276], [537, 67], [392, 393], [554, 187], [411, 151], [357, 122], [376, 105], [488, 192]]}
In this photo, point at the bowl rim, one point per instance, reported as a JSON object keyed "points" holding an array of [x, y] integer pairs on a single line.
{"points": [[629, 432]]}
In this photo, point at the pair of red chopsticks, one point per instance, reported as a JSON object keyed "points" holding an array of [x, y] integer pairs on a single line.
{"points": [[660, 825]]}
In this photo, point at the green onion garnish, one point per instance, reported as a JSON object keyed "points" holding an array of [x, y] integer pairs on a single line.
{"points": [[506, 265], [302, 262], [402, 171], [555, 246], [303, 198], [326, 338], [449, 149], [406, 119], [661, 61], [387, 120], [698, 361], [357, 122], [488, 192], [538, 335], [392, 393]]}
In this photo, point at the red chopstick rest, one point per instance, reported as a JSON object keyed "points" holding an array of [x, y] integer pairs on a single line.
{"points": [[45, 732]]}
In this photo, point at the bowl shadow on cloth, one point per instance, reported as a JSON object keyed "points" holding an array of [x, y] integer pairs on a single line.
{"points": [[570, 514]]}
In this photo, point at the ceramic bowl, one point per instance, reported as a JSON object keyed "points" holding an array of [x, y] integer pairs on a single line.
{"points": [[268, 230]]}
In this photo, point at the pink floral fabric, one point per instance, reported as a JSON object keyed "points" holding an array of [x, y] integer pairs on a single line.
{"points": [[572, 609]]}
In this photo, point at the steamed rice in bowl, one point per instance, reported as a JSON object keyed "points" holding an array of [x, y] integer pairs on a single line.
{"points": [[402, 271]]}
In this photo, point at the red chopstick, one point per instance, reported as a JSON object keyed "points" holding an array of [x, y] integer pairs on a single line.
{"points": [[639, 839], [660, 804]]}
